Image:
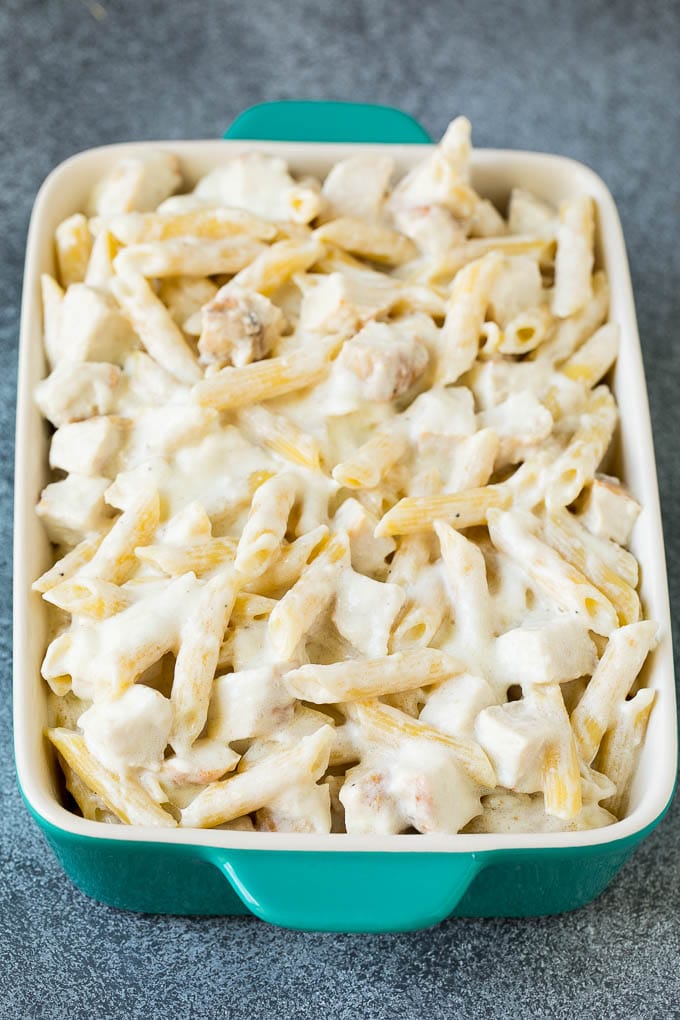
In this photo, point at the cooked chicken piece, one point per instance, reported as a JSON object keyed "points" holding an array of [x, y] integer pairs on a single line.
{"points": [[238, 327], [137, 183], [384, 359]]}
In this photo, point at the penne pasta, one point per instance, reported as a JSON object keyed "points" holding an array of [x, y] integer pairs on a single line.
{"points": [[512, 532], [302, 604], [620, 744], [574, 258], [213, 223], [199, 558], [83, 597], [369, 678], [265, 528], [389, 726], [73, 242], [263, 380], [52, 301], [153, 324], [578, 463], [201, 638], [123, 795], [115, 557], [187, 256], [368, 240], [576, 546], [613, 678], [461, 510], [263, 783], [465, 317], [367, 465], [282, 436]]}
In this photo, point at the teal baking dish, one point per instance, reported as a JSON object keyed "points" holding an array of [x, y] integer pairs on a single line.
{"points": [[337, 882]]}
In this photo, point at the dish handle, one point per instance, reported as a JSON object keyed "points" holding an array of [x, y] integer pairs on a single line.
{"points": [[347, 891], [320, 121]]}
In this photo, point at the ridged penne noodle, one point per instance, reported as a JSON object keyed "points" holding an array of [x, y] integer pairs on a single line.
{"points": [[620, 744], [201, 638], [214, 223], [560, 773], [73, 242], [613, 678], [460, 510], [69, 564], [88, 597], [575, 545], [412, 554], [263, 532], [263, 380], [526, 331], [276, 265], [615, 556], [369, 240], [440, 270], [370, 678], [390, 726], [105, 657], [569, 334], [199, 557], [512, 532], [367, 465], [465, 573], [154, 325], [302, 604], [264, 782], [248, 606], [574, 258], [465, 314], [91, 806], [184, 297], [579, 462], [420, 620], [124, 795], [595, 357], [473, 461], [115, 557], [52, 299], [290, 562], [188, 256], [100, 265], [282, 436]]}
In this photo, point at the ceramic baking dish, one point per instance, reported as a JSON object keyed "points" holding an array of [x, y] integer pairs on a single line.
{"points": [[336, 882]]}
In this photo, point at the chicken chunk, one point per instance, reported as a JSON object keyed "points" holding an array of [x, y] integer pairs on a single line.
{"points": [[92, 327], [77, 390], [382, 361], [238, 327], [73, 508], [132, 731], [87, 446], [138, 183], [609, 510]]}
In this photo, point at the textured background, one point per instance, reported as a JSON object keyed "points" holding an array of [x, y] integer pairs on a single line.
{"points": [[595, 80]]}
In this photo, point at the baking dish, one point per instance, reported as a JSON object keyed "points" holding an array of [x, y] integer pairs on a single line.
{"points": [[336, 882]]}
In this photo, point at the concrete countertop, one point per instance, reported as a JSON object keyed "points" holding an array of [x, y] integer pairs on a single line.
{"points": [[594, 80]]}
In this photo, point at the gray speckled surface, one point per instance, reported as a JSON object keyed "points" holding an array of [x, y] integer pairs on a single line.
{"points": [[595, 80]]}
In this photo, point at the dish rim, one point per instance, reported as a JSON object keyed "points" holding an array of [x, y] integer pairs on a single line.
{"points": [[43, 803]]}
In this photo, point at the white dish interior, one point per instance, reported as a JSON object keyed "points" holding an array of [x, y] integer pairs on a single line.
{"points": [[495, 172]]}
